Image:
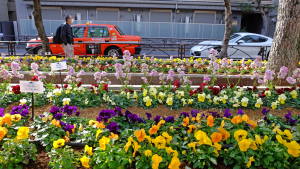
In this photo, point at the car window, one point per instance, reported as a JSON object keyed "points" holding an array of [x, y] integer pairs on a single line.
{"points": [[98, 32], [234, 36], [78, 32], [253, 39], [119, 30]]}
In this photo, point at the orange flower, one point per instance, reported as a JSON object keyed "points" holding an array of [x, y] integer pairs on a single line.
{"points": [[114, 136], [100, 125], [55, 123], [154, 129], [140, 135], [186, 121], [245, 118], [191, 128], [7, 119], [68, 133], [210, 120], [225, 134], [216, 137], [236, 120], [252, 123], [66, 139]]}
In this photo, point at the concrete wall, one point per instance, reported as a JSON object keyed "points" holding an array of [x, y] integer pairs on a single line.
{"points": [[3, 11]]}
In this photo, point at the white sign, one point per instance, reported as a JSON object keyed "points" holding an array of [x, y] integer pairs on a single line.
{"points": [[58, 66], [31, 86]]}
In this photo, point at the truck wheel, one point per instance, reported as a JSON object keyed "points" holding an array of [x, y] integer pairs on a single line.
{"points": [[110, 51], [39, 51]]}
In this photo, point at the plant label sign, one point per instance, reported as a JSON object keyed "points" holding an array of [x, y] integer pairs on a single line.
{"points": [[31, 86], [58, 66]]}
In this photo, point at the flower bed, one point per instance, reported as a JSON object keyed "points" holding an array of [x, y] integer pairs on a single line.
{"points": [[123, 139]]}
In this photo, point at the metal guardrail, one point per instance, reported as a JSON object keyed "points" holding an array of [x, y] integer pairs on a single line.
{"points": [[181, 48]]}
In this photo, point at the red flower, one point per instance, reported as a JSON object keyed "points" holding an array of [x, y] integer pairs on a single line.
{"points": [[16, 89], [34, 78], [191, 93], [262, 95], [79, 84], [131, 91], [176, 85], [105, 87], [280, 91], [231, 86], [95, 85], [56, 86], [66, 86], [215, 91]]}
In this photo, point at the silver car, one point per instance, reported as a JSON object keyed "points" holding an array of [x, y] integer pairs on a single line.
{"points": [[241, 45]]}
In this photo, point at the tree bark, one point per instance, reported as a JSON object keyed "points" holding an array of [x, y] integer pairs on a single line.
{"points": [[37, 13], [223, 52], [285, 48], [264, 18]]}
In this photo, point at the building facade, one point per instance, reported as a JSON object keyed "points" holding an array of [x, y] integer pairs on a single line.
{"points": [[206, 12]]}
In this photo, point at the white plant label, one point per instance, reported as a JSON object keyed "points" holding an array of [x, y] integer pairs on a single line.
{"points": [[58, 66], [31, 86]]}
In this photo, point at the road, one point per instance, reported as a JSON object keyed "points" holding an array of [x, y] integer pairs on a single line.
{"points": [[158, 54]]}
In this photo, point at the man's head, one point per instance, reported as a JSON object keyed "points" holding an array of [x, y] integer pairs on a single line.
{"points": [[69, 19]]}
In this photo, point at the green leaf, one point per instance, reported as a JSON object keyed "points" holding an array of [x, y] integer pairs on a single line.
{"points": [[213, 160], [271, 158], [232, 154], [237, 166], [266, 161]]}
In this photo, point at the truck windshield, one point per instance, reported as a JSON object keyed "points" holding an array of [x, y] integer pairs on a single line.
{"points": [[119, 30]]}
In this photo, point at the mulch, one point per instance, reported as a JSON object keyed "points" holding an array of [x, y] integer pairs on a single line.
{"points": [[43, 159]]}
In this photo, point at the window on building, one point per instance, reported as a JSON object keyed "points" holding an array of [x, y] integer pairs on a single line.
{"points": [[98, 32], [205, 17], [160, 15], [78, 32], [107, 14], [253, 39]]}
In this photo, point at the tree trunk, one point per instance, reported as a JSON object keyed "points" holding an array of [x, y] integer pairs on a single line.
{"points": [[223, 52], [37, 13], [285, 49], [264, 18]]}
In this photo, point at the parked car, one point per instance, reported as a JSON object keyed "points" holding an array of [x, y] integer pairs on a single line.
{"points": [[241, 45], [94, 33]]}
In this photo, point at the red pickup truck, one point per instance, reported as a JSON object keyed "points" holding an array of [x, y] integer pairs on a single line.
{"points": [[94, 33]]}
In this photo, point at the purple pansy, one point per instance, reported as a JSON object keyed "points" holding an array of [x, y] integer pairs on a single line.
{"points": [[170, 119], [149, 115], [240, 112], [119, 111], [185, 114], [157, 119], [113, 127], [265, 111], [194, 112], [227, 113]]}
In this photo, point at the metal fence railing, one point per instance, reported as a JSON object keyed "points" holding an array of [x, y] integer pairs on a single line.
{"points": [[143, 29], [181, 49]]}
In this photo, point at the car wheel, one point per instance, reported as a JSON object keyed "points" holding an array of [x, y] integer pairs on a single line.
{"points": [[113, 50], [39, 51]]}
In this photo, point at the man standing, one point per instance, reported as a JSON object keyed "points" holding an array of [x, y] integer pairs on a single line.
{"points": [[66, 36]]}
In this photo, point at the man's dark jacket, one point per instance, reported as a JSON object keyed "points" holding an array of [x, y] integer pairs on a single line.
{"points": [[66, 34]]}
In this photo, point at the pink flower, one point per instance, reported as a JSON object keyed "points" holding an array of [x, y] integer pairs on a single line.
{"points": [[291, 80], [153, 73], [283, 72], [206, 79], [213, 51]]}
